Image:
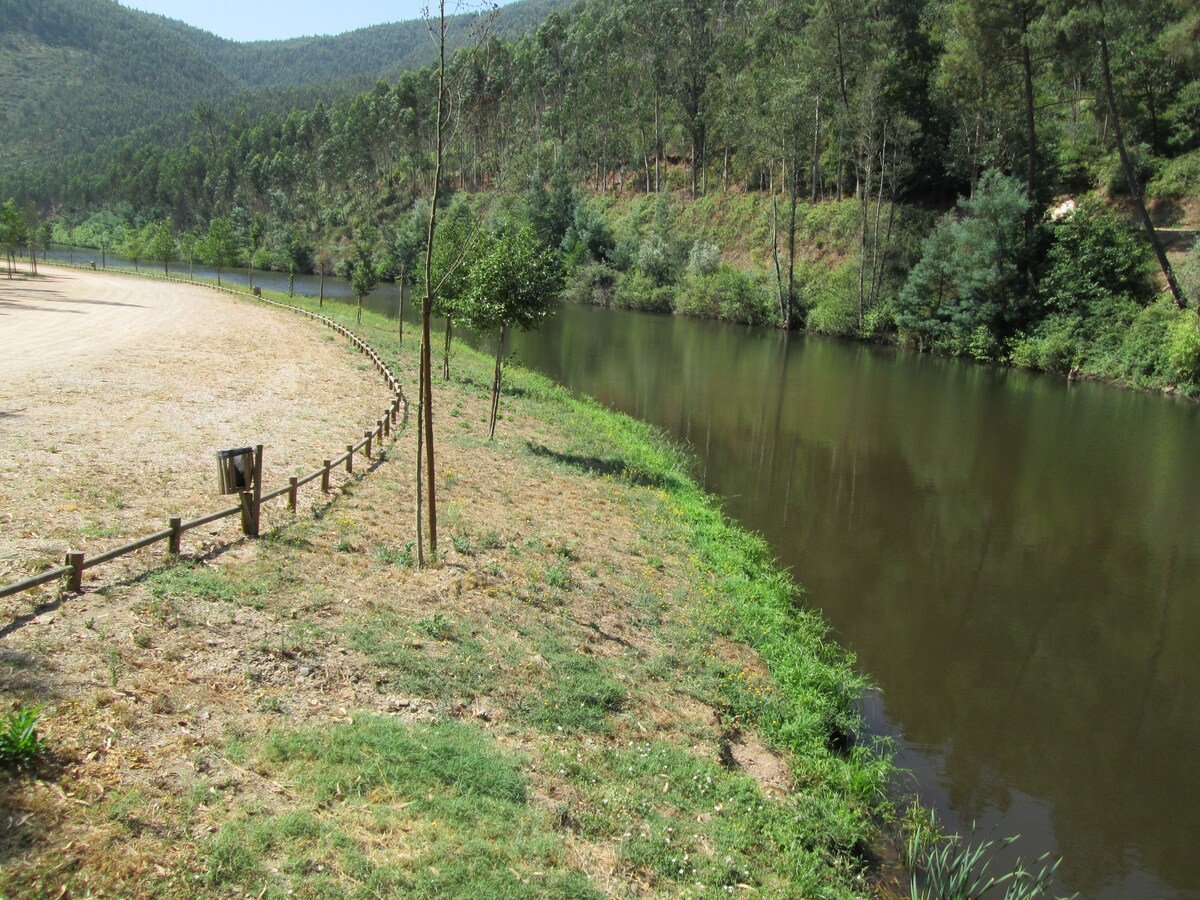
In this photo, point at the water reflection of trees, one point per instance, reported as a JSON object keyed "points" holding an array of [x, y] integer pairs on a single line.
{"points": [[1010, 558]]}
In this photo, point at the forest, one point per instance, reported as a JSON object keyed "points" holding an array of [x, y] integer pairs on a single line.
{"points": [[1008, 180]]}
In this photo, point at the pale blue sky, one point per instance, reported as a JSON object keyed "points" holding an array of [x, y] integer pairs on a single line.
{"points": [[252, 20]]}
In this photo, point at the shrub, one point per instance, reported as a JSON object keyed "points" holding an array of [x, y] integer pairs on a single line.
{"points": [[634, 290], [1097, 256], [1189, 276], [833, 300], [704, 258], [1177, 178], [654, 259], [1184, 346], [1143, 357], [727, 294], [591, 283]]}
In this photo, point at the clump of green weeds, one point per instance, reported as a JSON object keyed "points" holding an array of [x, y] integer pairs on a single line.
{"points": [[20, 743], [437, 626], [391, 556], [194, 580], [956, 868], [558, 576]]}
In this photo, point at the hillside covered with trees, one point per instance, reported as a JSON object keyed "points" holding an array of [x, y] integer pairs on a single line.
{"points": [[967, 176], [77, 72]]}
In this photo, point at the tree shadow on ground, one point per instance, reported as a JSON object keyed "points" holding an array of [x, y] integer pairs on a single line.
{"points": [[611, 466]]}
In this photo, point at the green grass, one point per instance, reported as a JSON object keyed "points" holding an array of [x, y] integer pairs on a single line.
{"points": [[192, 580], [576, 693], [445, 782]]}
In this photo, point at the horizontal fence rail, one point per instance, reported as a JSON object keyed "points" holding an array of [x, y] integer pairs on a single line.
{"points": [[395, 414]]}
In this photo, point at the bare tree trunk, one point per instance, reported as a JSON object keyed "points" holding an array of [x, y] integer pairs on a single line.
{"points": [[816, 170], [420, 451], [1031, 152], [1131, 176], [775, 257], [791, 273], [878, 219], [657, 142], [425, 415], [446, 349], [496, 384]]}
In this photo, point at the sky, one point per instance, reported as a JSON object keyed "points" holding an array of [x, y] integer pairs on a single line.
{"points": [[253, 20]]}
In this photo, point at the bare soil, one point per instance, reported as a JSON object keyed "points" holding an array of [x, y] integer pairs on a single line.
{"points": [[115, 392]]}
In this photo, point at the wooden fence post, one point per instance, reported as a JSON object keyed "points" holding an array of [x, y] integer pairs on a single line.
{"points": [[386, 424], [75, 579], [350, 458], [292, 493], [173, 543], [325, 477], [368, 435]]}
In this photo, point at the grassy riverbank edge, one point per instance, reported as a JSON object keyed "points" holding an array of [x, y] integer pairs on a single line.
{"points": [[809, 710]]}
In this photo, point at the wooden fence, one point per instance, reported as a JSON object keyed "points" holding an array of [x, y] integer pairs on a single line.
{"points": [[76, 563]]}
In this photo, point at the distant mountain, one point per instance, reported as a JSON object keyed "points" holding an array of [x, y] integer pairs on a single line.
{"points": [[74, 72]]}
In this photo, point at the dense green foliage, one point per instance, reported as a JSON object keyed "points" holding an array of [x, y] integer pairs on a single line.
{"points": [[772, 166]]}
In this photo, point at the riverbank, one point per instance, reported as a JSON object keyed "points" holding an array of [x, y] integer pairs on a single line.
{"points": [[603, 688]]}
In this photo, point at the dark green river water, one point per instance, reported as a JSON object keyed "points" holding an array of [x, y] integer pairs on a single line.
{"points": [[1013, 560]]}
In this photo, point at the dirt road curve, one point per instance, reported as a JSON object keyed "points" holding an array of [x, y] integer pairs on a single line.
{"points": [[116, 391]]}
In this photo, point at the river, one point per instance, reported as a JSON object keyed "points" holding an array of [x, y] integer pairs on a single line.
{"points": [[1012, 559]]}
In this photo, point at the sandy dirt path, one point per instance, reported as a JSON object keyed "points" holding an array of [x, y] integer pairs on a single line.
{"points": [[115, 392]]}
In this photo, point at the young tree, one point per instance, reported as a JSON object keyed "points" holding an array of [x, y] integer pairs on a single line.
{"points": [[456, 241], [135, 246], [45, 236], [218, 247], [254, 240], [359, 269], [511, 283], [12, 233], [425, 404], [323, 264], [163, 245], [291, 254], [188, 241], [407, 245]]}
